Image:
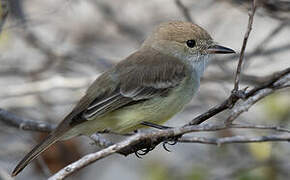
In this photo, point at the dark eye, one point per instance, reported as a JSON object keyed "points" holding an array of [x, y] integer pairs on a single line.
{"points": [[190, 43]]}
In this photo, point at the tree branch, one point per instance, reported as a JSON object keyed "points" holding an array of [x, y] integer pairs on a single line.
{"points": [[250, 23], [153, 137], [255, 126], [235, 139], [24, 124]]}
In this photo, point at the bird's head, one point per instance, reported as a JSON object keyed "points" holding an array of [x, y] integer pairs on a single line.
{"points": [[184, 40]]}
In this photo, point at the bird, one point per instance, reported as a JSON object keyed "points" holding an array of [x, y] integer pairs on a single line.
{"points": [[151, 85]]}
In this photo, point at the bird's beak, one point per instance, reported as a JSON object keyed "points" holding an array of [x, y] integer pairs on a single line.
{"points": [[217, 49]]}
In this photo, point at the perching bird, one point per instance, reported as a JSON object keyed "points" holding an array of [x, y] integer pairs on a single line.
{"points": [[151, 85]]}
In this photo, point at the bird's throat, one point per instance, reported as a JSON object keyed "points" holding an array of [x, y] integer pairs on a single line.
{"points": [[199, 64]]}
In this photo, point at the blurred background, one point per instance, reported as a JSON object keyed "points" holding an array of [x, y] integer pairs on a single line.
{"points": [[50, 51]]}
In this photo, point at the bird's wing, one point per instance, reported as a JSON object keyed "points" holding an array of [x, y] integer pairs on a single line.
{"points": [[142, 76]]}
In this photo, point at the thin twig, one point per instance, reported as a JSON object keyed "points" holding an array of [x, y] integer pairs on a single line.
{"points": [[250, 23], [235, 139], [90, 158], [258, 95], [256, 126], [25, 124]]}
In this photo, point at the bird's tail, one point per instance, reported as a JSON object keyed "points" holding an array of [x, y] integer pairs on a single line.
{"points": [[39, 148]]}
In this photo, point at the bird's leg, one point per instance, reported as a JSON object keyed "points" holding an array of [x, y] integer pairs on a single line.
{"points": [[170, 141], [149, 148], [153, 125], [139, 149]]}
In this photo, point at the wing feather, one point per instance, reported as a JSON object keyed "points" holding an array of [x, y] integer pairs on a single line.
{"points": [[142, 76]]}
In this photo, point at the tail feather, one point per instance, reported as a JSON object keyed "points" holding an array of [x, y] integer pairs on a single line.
{"points": [[39, 148]]}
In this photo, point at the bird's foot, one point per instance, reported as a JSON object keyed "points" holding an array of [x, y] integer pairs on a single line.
{"points": [[153, 125], [171, 141], [144, 151]]}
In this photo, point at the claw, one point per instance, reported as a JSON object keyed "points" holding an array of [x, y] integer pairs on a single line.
{"points": [[165, 147], [170, 141], [137, 155], [143, 152]]}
